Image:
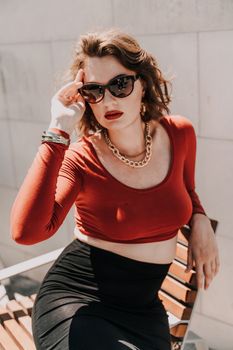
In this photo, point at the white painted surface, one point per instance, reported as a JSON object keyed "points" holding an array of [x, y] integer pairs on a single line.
{"points": [[181, 65], [216, 84], [33, 21], [7, 176], [166, 16]]}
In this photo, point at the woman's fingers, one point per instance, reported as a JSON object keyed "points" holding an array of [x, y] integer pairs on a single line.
{"points": [[199, 275], [207, 271], [217, 264], [79, 77], [69, 90], [209, 274]]}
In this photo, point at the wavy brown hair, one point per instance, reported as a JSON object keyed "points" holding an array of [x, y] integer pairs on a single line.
{"points": [[129, 53]]}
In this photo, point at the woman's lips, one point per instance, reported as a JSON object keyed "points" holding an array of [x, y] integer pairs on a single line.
{"points": [[113, 116]]}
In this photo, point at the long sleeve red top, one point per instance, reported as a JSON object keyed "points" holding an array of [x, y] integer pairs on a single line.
{"points": [[104, 207]]}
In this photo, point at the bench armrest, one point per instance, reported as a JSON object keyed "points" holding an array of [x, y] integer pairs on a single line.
{"points": [[30, 264]]}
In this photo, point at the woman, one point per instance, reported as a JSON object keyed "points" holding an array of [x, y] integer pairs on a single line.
{"points": [[131, 177]]}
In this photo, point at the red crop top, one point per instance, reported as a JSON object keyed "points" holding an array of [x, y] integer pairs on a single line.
{"points": [[104, 207]]}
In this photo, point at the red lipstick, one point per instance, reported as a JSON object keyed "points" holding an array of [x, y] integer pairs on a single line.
{"points": [[113, 114]]}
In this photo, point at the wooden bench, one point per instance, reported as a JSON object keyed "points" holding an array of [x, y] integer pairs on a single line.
{"points": [[179, 290], [178, 293], [15, 327]]}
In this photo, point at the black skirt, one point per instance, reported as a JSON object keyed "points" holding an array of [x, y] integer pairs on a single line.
{"points": [[95, 299]]}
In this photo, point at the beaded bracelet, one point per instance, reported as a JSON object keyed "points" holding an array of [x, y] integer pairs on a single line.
{"points": [[49, 136]]}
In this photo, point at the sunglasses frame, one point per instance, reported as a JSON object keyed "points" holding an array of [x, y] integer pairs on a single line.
{"points": [[107, 86]]}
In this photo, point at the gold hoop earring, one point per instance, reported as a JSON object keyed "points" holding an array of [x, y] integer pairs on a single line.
{"points": [[143, 109]]}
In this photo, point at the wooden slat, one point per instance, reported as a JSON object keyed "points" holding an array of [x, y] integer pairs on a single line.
{"points": [[183, 235], [5, 314], [177, 269], [181, 252], [26, 323], [33, 297], [26, 304], [15, 308], [6, 342], [214, 224], [179, 330], [17, 333], [176, 308], [178, 290]]}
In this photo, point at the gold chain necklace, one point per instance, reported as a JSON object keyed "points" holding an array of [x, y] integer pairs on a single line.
{"points": [[129, 162]]}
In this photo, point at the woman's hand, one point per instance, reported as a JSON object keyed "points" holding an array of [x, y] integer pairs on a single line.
{"points": [[203, 250], [67, 105]]}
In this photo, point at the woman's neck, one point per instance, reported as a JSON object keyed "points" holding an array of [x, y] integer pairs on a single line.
{"points": [[130, 140]]}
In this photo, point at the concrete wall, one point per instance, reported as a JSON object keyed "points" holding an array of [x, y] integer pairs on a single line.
{"points": [[191, 39]]}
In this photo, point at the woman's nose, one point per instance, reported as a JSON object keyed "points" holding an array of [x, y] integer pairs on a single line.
{"points": [[108, 96]]}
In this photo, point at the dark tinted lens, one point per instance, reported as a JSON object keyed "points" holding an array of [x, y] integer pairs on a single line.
{"points": [[121, 87], [92, 93]]}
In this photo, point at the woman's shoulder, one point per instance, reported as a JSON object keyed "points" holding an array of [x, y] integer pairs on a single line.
{"points": [[179, 123]]}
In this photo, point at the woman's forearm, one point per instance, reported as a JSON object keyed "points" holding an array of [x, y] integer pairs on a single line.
{"points": [[34, 207]]}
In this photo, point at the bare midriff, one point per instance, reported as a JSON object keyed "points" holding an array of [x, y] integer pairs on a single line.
{"points": [[162, 252]]}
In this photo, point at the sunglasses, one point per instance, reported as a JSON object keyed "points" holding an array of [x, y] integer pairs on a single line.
{"points": [[120, 86]]}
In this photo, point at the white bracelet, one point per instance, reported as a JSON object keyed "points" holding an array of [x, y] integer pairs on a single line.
{"points": [[49, 136]]}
